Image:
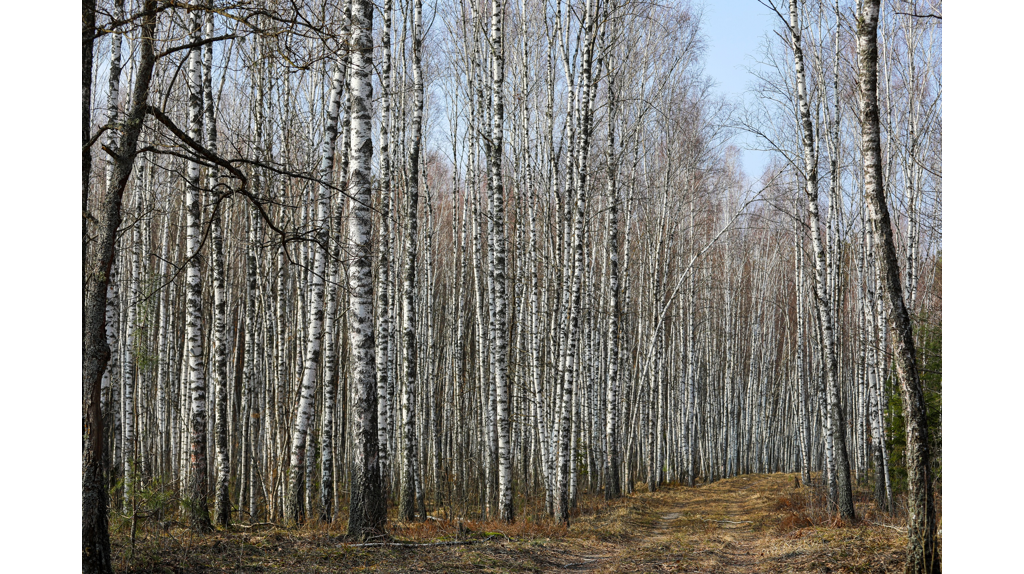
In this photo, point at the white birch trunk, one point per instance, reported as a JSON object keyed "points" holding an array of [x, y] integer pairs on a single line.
{"points": [[368, 508], [411, 467], [222, 503], [199, 516], [842, 480], [384, 268], [295, 511]]}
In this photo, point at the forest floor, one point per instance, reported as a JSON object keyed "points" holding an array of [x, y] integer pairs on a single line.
{"points": [[753, 523]]}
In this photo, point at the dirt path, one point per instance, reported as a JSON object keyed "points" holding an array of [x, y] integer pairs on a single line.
{"points": [[740, 550], [748, 524], [729, 527], [707, 529]]}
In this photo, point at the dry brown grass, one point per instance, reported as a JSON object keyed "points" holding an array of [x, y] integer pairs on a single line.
{"points": [[752, 523]]}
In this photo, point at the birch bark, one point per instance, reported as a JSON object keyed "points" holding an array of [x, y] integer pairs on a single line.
{"points": [[411, 468], [199, 515], [922, 551], [612, 489], [99, 233], [368, 508], [871, 334], [496, 188], [295, 510], [844, 487], [384, 266], [803, 411], [128, 364], [222, 502]]}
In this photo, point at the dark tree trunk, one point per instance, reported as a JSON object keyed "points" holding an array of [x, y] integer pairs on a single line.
{"points": [[99, 233], [922, 555]]}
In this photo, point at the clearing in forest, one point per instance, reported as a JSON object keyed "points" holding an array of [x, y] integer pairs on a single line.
{"points": [[753, 523]]}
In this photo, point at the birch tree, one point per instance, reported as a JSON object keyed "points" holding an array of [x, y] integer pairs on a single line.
{"points": [[496, 191], [199, 515], [411, 467], [316, 315], [368, 508], [922, 551], [99, 234], [844, 489], [581, 292], [222, 502]]}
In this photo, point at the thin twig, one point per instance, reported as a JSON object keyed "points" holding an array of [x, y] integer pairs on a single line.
{"points": [[257, 524], [896, 528], [423, 544], [414, 544], [195, 44]]}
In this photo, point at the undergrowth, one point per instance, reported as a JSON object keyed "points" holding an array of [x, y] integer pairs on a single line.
{"points": [[788, 529]]}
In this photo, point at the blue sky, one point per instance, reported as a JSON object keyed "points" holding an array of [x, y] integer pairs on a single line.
{"points": [[734, 31]]}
